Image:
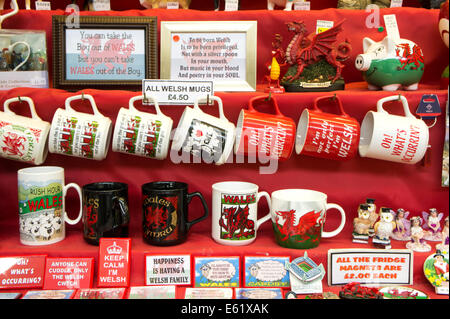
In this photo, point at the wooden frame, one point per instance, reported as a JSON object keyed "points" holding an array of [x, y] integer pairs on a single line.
{"points": [[107, 23]]}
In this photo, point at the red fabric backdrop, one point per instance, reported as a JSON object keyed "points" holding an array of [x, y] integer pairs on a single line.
{"points": [[415, 188]]}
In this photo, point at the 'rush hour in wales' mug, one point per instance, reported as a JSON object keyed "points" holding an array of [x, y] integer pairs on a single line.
{"points": [[401, 139], [205, 136], [105, 211], [326, 135], [80, 134], [298, 217], [165, 212], [272, 135], [235, 212], [42, 214], [141, 133], [23, 138]]}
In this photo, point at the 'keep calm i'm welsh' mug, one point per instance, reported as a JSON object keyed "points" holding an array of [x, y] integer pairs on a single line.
{"points": [[23, 138], [80, 134], [42, 214]]}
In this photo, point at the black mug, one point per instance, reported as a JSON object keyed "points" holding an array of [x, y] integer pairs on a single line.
{"points": [[165, 212], [105, 211]]}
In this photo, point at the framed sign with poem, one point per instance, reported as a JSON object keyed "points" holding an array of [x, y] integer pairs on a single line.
{"points": [[220, 51], [104, 52]]}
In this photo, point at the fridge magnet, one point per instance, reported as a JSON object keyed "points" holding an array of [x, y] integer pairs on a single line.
{"points": [[315, 60], [20, 272], [217, 272], [10, 295], [432, 224], [258, 293], [417, 242], [443, 246], [354, 290], [384, 228], [208, 293], [68, 273], [162, 270], [436, 271], [305, 275], [152, 292], [100, 293], [361, 225], [395, 292], [266, 271], [114, 262], [49, 294], [402, 230], [325, 295]]}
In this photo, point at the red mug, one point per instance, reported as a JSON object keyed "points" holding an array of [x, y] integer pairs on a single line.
{"points": [[327, 135], [259, 133]]}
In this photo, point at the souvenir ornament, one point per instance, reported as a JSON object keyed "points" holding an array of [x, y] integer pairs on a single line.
{"points": [[395, 292], [361, 225], [316, 62], [436, 271], [306, 276], [384, 228], [287, 4], [391, 64], [354, 290], [443, 30], [373, 216], [432, 225], [274, 67], [23, 138], [402, 230], [417, 242], [155, 4], [443, 246]]}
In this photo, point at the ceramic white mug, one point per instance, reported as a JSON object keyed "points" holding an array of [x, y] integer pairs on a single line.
{"points": [[205, 136], [80, 134], [23, 138], [235, 212], [42, 214], [298, 216], [140, 133], [402, 139]]}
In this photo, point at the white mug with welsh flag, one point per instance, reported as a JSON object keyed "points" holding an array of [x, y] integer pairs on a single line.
{"points": [[42, 214], [80, 134], [23, 138], [142, 133]]}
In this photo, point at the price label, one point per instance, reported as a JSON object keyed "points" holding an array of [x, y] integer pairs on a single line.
{"points": [[43, 5], [101, 5], [396, 3], [390, 20], [173, 5], [231, 5], [302, 5], [168, 92], [323, 25]]}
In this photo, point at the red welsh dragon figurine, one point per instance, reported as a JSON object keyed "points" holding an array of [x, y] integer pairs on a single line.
{"points": [[316, 62]]}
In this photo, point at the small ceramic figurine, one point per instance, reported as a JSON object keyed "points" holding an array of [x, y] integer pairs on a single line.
{"points": [[384, 228], [287, 4], [443, 30], [278, 60], [391, 64], [361, 225], [315, 60], [432, 223], [373, 215], [443, 246], [417, 242], [362, 4], [402, 231], [155, 4]]}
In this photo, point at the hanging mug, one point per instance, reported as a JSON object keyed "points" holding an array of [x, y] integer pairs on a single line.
{"points": [[80, 134], [401, 139], [326, 135], [271, 135], [23, 138], [205, 136], [140, 133]]}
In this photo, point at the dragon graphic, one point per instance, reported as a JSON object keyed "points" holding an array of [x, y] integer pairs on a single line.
{"points": [[306, 225], [91, 220], [157, 218], [14, 144], [416, 57], [306, 49], [235, 220]]}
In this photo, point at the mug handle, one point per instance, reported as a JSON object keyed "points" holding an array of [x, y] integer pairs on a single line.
{"points": [[332, 98], [211, 98], [261, 221], [30, 102], [251, 108], [205, 207], [395, 98], [11, 47], [78, 189], [141, 98], [341, 226], [90, 98], [123, 212]]}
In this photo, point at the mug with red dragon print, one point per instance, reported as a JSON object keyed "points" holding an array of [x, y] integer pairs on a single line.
{"points": [[298, 216]]}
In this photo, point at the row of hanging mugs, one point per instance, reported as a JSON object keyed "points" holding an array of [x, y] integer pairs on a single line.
{"points": [[383, 136]]}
